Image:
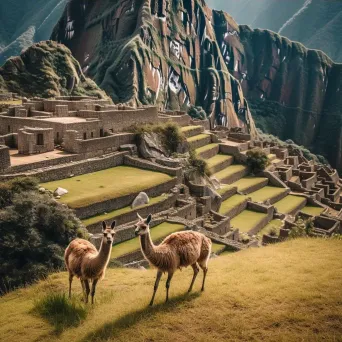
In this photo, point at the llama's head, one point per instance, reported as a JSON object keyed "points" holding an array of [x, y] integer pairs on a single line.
{"points": [[142, 227], [108, 232]]}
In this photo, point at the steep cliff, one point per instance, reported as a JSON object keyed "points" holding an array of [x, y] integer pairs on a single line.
{"points": [[154, 52], [314, 23], [46, 69], [24, 22]]}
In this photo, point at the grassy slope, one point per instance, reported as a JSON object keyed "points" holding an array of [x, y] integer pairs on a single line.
{"points": [[246, 182], [287, 292], [268, 192], [289, 203], [247, 220], [310, 210], [100, 186]]}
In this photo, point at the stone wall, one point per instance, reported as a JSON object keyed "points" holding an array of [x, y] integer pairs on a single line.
{"points": [[35, 140], [97, 146], [73, 104], [5, 161]]}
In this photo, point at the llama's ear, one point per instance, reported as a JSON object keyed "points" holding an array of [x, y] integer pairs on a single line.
{"points": [[113, 224], [104, 226], [139, 217], [149, 218]]}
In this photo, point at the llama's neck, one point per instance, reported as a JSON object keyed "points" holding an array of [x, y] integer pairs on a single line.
{"points": [[102, 258], [147, 246]]}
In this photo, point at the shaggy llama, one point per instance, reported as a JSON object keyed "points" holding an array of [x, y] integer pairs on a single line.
{"points": [[84, 261], [178, 250]]}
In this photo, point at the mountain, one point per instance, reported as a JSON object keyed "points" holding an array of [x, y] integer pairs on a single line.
{"points": [[24, 22], [46, 69], [315, 23], [180, 54]]}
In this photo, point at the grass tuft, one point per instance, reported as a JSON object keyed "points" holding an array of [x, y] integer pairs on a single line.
{"points": [[59, 311]]}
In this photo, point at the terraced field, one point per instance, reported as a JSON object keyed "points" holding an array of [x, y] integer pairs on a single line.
{"points": [[289, 203], [313, 211], [230, 171], [231, 203], [106, 184], [248, 182], [157, 232], [267, 192], [274, 224], [247, 220]]}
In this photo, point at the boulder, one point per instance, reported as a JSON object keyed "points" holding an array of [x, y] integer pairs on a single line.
{"points": [[140, 200], [42, 190], [60, 192], [151, 146]]}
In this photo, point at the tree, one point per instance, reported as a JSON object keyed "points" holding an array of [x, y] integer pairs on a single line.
{"points": [[257, 160]]}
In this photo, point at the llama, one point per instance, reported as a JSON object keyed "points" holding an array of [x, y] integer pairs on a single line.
{"points": [[84, 261], [178, 250]]}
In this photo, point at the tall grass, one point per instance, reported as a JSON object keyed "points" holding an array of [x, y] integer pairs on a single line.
{"points": [[59, 311]]}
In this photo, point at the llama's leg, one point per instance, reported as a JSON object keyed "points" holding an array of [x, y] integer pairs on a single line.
{"points": [[204, 267], [196, 270], [168, 281], [70, 282], [87, 289], [93, 287], [83, 290], [156, 284]]}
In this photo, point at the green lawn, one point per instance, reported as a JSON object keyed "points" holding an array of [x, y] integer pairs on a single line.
{"points": [[198, 137], [218, 159], [224, 188], [268, 192], [247, 182], [157, 233], [188, 128], [272, 224], [230, 170], [205, 148], [311, 210], [112, 214], [106, 184], [247, 220], [231, 202], [217, 248], [289, 203]]}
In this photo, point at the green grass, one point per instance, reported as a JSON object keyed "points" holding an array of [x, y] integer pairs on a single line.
{"points": [[189, 128], [247, 220], [197, 137], [229, 171], [224, 188], [217, 248], [106, 184], [259, 294], [218, 159], [125, 210], [289, 203], [157, 233], [59, 311], [15, 102], [205, 148], [311, 210], [231, 202], [272, 224], [268, 192], [247, 182]]}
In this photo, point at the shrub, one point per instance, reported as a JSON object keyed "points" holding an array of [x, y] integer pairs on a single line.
{"points": [[59, 311], [273, 232], [198, 165], [257, 160], [197, 113], [34, 231], [302, 228]]}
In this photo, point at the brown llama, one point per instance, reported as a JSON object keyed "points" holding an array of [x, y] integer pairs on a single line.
{"points": [[178, 250], [84, 261]]}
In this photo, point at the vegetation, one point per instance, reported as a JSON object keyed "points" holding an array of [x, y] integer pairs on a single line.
{"points": [[267, 193], [229, 171], [34, 230], [231, 202], [171, 134], [103, 185], [247, 220], [265, 289], [197, 113], [272, 227], [257, 160], [302, 228], [218, 159], [247, 182], [289, 204], [197, 165], [59, 311], [311, 210]]}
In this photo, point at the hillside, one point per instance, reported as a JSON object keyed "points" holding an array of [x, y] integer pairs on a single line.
{"points": [[23, 23], [46, 69], [314, 23], [279, 293]]}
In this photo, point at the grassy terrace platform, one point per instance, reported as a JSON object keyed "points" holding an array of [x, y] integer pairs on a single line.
{"points": [[157, 232], [121, 211], [272, 224], [247, 220], [313, 211], [231, 202], [247, 182], [218, 159], [289, 203], [198, 137], [229, 171], [205, 148], [268, 192], [189, 128], [106, 184]]}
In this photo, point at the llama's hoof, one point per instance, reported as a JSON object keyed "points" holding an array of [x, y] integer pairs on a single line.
{"points": [[202, 289]]}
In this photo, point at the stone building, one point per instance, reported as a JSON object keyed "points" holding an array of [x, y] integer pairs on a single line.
{"points": [[35, 140]]}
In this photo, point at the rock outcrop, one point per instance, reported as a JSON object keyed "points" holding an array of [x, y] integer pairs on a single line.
{"points": [[46, 69], [155, 52]]}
